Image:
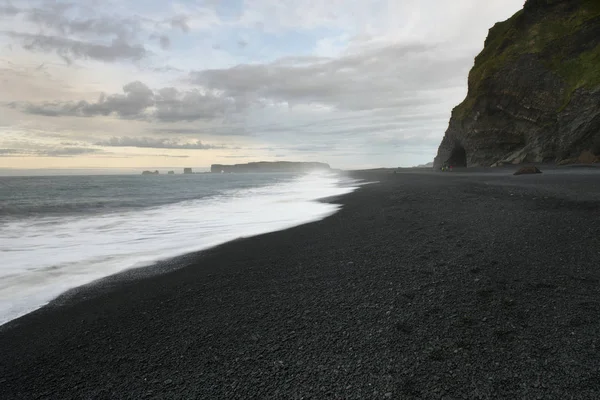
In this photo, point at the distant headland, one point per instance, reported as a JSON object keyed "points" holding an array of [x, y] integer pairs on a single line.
{"points": [[264, 166]]}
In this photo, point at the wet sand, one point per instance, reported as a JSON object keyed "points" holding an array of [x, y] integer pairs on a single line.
{"points": [[425, 285]]}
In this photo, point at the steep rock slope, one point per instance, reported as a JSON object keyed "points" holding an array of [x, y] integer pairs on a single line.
{"points": [[534, 91]]}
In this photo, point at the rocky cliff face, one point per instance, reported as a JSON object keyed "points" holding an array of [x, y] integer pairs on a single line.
{"points": [[534, 92]]}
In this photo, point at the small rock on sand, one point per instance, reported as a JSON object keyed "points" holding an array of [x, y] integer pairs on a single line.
{"points": [[528, 170]]}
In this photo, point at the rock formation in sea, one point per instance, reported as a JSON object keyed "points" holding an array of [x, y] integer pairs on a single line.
{"points": [[150, 173], [534, 91], [263, 166]]}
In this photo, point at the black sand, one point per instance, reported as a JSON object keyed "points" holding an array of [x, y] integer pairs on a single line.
{"points": [[423, 286]]}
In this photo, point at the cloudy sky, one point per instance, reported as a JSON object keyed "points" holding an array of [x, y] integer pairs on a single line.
{"points": [[159, 83]]}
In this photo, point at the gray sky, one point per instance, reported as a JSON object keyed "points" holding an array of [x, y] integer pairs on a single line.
{"points": [[136, 83]]}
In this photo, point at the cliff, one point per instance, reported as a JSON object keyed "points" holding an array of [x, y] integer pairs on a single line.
{"points": [[263, 166], [534, 91]]}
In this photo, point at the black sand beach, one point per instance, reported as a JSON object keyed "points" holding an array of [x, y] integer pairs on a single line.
{"points": [[448, 285]]}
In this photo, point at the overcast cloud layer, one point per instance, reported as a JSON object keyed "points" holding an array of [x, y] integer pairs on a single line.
{"points": [[188, 83]]}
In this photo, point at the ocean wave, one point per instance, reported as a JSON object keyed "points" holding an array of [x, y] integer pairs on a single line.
{"points": [[46, 256]]}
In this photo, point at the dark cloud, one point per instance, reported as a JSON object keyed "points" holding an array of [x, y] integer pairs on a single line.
{"points": [[69, 49], [153, 143], [138, 101]]}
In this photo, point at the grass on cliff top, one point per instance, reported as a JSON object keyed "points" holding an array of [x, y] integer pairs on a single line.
{"points": [[514, 37]]}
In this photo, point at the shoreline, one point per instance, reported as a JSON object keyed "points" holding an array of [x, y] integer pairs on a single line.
{"points": [[421, 286], [201, 225]]}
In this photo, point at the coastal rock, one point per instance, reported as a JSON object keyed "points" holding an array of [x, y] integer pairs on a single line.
{"points": [[534, 91], [528, 170], [587, 157]]}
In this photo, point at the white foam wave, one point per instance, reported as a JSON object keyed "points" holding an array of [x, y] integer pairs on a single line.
{"points": [[44, 257]]}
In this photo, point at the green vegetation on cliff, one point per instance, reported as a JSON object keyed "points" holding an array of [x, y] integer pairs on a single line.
{"points": [[554, 36], [583, 71]]}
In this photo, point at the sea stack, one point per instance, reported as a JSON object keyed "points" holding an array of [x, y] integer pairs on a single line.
{"points": [[534, 91], [187, 171]]}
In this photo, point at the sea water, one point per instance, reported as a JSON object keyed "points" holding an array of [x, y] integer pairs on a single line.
{"points": [[61, 232]]}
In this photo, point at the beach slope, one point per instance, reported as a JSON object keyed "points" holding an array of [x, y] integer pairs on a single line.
{"points": [[424, 285]]}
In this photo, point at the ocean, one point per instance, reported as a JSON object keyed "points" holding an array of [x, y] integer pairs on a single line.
{"points": [[61, 232]]}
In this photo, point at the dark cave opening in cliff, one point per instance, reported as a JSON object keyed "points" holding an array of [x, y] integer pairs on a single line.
{"points": [[458, 157]]}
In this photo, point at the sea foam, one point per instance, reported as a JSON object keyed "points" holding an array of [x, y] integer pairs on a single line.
{"points": [[43, 257]]}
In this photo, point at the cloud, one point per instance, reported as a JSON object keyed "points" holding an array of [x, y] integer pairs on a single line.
{"points": [[163, 40], [69, 49], [311, 148], [69, 152], [168, 156], [384, 77], [180, 22], [191, 105], [9, 152], [9, 10], [84, 30], [49, 152], [136, 98], [138, 101], [166, 69], [367, 81], [53, 16], [178, 131], [162, 143]]}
